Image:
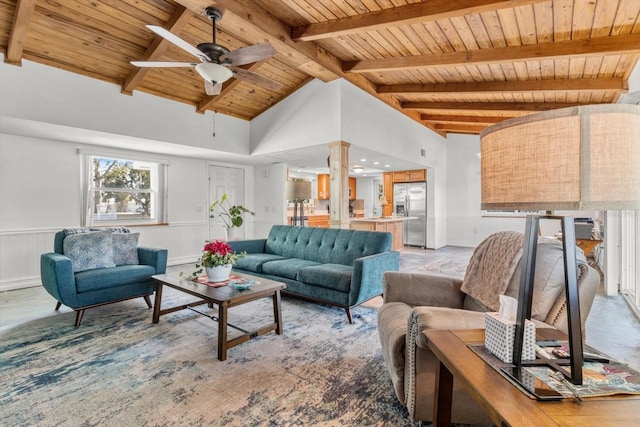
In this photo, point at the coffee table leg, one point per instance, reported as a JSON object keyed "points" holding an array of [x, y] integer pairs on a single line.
{"points": [[443, 396], [277, 312], [222, 331], [156, 306]]}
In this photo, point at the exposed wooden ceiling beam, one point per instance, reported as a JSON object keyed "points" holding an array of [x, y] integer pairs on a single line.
{"points": [[613, 45], [464, 119], [401, 15], [21, 19], [506, 107], [459, 128], [247, 20], [562, 85], [158, 46]]}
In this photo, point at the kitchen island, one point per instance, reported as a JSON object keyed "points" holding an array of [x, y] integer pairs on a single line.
{"points": [[393, 225]]}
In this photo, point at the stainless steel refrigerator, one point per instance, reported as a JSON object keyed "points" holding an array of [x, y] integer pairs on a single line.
{"points": [[410, 199]]}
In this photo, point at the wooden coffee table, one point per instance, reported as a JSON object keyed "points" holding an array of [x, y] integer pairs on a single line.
{"points": [[224, 297]]}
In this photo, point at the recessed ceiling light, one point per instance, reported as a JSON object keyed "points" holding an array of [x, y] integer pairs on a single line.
{"points": [[363, 160], [387, 166], [376, 163]]}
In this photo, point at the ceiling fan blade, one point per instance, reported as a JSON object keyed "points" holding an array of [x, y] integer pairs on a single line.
{"points": [[163, 64], [212, 89], [256, 79], [249, 54], [169, 36]]}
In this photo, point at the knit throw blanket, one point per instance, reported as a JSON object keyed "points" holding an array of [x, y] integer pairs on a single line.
{"points": [[491, 267]]}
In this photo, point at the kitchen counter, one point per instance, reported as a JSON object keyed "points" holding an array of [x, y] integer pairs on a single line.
{"points": [[313, 219], [383, 219], [393, 225]]}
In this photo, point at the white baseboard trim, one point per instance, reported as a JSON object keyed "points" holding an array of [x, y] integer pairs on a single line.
{"points": [[183, 260], [21, 283]]}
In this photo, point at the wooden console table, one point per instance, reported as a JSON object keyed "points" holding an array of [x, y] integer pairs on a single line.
{"points": [[504, 402]]}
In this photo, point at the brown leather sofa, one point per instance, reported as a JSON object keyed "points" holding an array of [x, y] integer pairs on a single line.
{"points": [[417, 302]]}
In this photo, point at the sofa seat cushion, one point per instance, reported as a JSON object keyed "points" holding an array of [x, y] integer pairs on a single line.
{"points": [[254, 262], [288, 267], [104, 278], [331, 276]]}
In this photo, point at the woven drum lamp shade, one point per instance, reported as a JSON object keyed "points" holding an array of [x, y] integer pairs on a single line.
{"points": [[298, 190], [577, 158]]}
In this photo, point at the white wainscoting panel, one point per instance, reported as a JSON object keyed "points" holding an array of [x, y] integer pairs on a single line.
{"points": [[20, 250]]}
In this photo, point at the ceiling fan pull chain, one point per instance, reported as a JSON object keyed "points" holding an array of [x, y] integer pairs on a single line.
{"points": [[215, 114]]}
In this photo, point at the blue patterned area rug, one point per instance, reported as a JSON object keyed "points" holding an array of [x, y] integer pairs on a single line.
{"points": [[119, 369], [448, 266]]}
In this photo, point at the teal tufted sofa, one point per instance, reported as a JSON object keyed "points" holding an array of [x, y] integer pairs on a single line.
{"points": [[98, 286], [335, 266]]}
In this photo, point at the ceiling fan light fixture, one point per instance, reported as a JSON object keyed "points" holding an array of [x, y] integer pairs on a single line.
{"points": [[215, 73]]}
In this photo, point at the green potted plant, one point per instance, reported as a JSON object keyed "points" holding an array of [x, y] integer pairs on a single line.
{"points": [[231, 215]]}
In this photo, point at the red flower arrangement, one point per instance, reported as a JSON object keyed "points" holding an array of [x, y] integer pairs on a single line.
{"points": [[218, 253], [215, 254]]}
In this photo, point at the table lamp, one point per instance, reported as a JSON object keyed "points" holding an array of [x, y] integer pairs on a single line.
{"points": [[577, 158], [383, 202], [298, 191]]}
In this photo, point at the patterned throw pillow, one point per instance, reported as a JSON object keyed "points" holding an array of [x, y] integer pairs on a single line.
{"points": [[125, 248], [89, 251]]}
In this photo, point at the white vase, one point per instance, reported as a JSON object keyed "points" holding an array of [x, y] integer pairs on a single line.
{"points": [[232, 233], [219, 273]]}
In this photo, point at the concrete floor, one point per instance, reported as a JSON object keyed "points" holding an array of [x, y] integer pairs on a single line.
{"points": [[611, 327]]}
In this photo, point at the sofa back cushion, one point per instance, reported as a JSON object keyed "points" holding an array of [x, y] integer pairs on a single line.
{"points": [[89, 251], [125, 248], [326, 245]]}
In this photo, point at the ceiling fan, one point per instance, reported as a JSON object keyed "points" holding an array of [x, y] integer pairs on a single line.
{"points": [[218, 64]]}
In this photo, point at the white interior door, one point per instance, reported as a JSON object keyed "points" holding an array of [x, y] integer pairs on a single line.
{"points": [[227, 180]]}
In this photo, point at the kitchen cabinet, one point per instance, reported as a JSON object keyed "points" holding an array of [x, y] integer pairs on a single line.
{"points": [[324, 186], [318, 220], [387, 185], [395, 226], [415, 175], [352, 188]]}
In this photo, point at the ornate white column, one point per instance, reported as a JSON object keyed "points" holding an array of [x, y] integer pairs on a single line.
{"points": [[339, 184]]}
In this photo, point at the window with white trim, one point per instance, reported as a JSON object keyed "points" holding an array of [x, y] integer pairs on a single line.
{"points": [[123, 191]]}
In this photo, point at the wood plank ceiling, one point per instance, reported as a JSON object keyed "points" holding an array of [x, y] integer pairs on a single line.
{"points": [[454, 66]]}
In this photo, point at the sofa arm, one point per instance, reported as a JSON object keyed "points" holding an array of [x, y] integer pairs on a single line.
{"points": [[56, 273], [157, 258], [423, 290], [366, 279], [250, 246]]}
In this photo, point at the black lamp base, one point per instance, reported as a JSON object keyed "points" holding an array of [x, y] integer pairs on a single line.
{"points": [[525, 296]]}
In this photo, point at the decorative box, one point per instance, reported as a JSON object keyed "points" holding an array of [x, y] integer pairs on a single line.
{"points": [[500, 335]]}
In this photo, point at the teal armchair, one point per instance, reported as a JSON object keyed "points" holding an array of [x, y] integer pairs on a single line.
{"points": [[99, 269]]}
